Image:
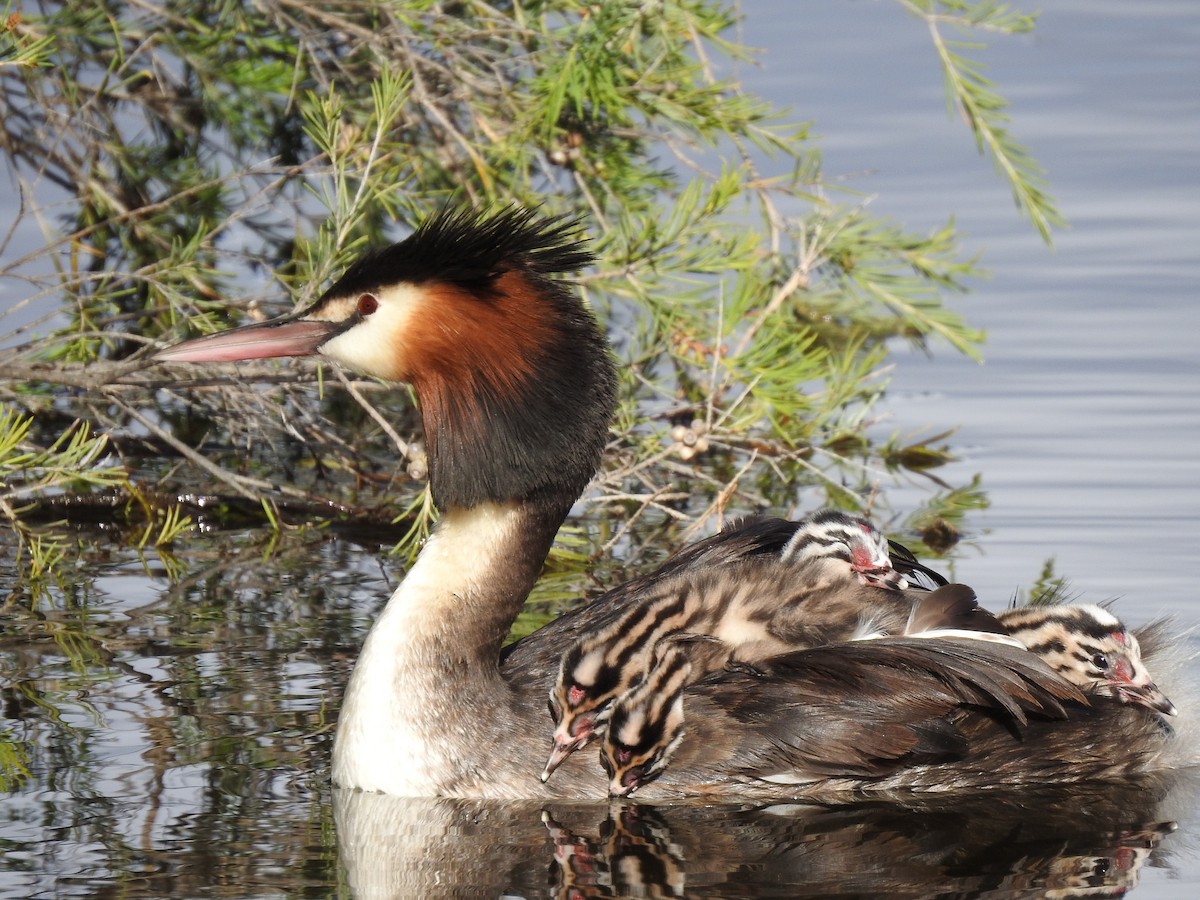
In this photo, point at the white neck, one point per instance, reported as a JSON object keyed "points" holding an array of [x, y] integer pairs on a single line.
{"points": [[426, 705]]}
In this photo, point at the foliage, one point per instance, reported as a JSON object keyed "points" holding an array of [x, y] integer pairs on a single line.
{"points": [[1047, 589], [28, 472], [20, 46], [970, 92], [197, 151], [74, 463]]}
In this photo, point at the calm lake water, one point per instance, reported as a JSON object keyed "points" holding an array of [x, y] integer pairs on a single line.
{"points": [[1083, 425]]}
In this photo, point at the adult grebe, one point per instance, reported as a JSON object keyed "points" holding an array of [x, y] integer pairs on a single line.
{"points": [[516, 387]]}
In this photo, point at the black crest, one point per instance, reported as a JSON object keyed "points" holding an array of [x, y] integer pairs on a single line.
{"points": [[471, 249]]}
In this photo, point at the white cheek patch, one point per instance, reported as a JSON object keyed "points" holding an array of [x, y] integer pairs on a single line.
{"points": [[374, 346], [589, 667], [631, 730]]}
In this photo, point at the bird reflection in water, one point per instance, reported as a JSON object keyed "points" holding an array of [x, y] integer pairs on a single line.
{"points": [[876, 851], [1060, 844]]}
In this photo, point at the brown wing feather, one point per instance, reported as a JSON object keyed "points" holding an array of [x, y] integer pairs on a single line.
{"points": [[952, 606], [866, 709]]}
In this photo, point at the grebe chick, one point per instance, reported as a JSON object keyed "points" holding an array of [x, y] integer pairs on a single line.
{"points": [[820, 588], [833, 537], [1090, 647], [646, 723], [516, 389]]}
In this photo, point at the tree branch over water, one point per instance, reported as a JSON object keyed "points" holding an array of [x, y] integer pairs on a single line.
{"points": [[192, 169]]}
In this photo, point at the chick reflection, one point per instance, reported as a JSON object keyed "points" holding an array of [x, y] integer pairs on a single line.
{"points": [[1005, 850], [1106, 876], [1085, 843], [634, 857]]}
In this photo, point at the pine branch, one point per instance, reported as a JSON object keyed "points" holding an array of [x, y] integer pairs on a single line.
{"points": [[970, 92]]}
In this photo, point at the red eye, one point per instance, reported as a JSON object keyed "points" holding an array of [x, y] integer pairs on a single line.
{"points": [[367, 304]]}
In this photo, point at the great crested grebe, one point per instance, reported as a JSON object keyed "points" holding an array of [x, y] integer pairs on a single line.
{"points": [[832, 581], [516, 387], [1090, 647], [840, 541], [646, 724]]}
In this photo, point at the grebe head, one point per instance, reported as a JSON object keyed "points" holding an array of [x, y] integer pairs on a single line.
{"points": [[831, 534], [640, 742], [1089, 647], [646, 724], [579, 705], [514, 379]]}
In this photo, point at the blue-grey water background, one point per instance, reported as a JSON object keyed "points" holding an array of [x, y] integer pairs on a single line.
{"points": [[1084, 421]]}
